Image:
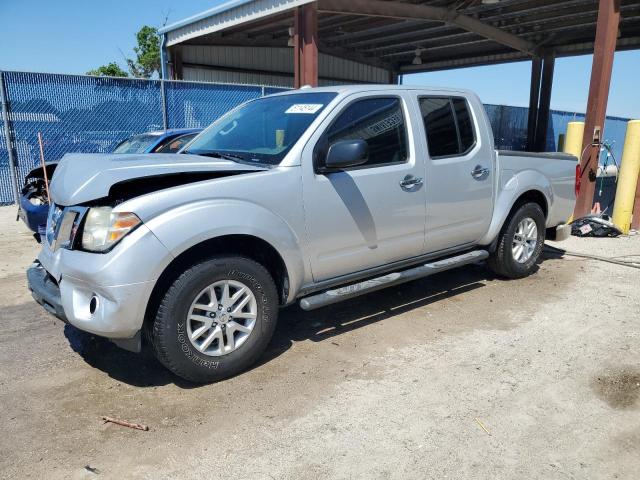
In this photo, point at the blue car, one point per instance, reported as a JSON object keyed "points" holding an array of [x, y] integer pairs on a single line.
{"points": [[169, 141], [34, 205]]}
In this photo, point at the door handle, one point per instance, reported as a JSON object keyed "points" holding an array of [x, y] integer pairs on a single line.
{"points": [[480, 172], [410, 181]]}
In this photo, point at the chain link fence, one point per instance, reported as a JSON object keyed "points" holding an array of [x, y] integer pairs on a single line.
{"points": [[77, 113]]}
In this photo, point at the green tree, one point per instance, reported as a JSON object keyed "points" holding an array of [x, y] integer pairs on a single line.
{"points": [[147, 61], [110, 70]]}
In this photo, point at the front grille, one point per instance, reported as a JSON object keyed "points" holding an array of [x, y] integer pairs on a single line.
{"points": [[62, 226], [53, 224]]}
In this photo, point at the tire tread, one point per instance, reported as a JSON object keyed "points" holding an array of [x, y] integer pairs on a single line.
{"points": [[499, 261], [157, 334]]}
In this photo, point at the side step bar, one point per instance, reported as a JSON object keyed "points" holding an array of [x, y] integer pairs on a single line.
{"points": [[350, 291]]}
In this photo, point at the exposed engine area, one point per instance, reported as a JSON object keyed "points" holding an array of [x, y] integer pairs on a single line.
{"points": [[35, 188], [34, 200], [35, 191]]}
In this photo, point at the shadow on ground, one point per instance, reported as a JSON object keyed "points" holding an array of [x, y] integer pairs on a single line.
{"points": [[294, 325], [140, 370]]}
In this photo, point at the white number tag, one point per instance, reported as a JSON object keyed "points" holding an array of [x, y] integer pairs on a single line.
{"points": [[309, 108]]}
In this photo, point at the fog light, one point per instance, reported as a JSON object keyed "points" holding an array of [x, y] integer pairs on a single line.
{"points": [[93, 304]]}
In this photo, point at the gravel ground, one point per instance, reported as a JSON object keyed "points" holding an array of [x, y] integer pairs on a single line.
{"points": [[459, 376]]}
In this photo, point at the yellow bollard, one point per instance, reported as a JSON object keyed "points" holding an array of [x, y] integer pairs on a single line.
{"points": [[573, 143], [573, 139], [628, 178]]}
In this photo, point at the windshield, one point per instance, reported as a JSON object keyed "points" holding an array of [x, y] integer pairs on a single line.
{"points": [[175, 143], [136, 144], [263, 130]]}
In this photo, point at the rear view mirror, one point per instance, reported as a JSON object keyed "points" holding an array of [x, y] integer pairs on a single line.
{"points": [[347, 153]]}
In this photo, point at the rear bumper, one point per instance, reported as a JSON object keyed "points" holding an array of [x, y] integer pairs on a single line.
{"points": [[558, 233], [562, 232], [45, 290]]}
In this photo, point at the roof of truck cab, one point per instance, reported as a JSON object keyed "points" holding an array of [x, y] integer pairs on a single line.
{"points": [[350, 89]]}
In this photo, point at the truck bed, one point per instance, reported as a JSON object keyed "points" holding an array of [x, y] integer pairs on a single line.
{"points": [[553, 173], [545, 155]]}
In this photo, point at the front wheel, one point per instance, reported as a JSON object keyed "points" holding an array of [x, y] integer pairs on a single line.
{"points": [[216, 319], [520, 243]]}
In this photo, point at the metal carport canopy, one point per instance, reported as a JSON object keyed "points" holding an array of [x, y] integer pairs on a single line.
{"points": [[398, 35]]}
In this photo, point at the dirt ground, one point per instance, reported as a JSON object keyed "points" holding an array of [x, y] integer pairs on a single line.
{"points": [[458, 376]]}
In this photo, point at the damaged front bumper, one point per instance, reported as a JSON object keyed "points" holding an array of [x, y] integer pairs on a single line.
{"points": [[45, 290], [86, 311], [103, 294]]}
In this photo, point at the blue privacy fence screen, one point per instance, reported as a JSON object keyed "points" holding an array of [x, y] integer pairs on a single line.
{"points": [[509, 126], [77, 113]]}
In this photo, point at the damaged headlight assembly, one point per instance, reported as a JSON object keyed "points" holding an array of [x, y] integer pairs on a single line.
{"points": [[103, 228]]}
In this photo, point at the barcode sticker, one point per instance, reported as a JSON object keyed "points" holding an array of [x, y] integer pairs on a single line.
{"points": [[309, 108], [586, 228]]}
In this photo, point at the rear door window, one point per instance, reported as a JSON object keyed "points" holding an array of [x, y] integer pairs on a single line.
{"points": [[465, 124], [448, 126], [440, 126]]}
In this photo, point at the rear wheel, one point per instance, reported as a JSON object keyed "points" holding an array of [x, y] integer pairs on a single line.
{"points": [[520, 242], [216, 319]]}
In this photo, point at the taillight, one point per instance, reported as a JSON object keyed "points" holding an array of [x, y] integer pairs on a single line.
{"points": [[578, 179]]}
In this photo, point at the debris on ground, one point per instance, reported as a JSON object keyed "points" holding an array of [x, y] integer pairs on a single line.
{"points": [[124, 423], [482, 426], [598, 225]]}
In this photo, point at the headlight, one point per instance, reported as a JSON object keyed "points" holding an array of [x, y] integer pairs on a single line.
{"points": [[103, 228]]}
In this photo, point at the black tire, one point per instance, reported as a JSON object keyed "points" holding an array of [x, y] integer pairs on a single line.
{"points": [[502, 261], [169, 337]]}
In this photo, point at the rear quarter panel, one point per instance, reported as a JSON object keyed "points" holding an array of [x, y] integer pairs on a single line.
{"points": [[517, 173]]}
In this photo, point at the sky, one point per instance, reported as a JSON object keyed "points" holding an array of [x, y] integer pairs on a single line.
{"points": [[74, 36]]}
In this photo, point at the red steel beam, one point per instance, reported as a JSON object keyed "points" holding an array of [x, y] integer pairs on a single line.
{"points": [[411, 11], [310, 49], [298, 33], [305, 51], [604, 50]]}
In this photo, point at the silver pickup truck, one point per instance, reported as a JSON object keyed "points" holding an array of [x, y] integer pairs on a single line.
{"points": [[315, 195]]}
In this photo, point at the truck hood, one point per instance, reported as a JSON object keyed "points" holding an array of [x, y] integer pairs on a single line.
{"points": [[81, 178]]}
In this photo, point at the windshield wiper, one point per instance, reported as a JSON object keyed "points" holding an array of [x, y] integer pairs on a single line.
{"points": [[223, 155]]}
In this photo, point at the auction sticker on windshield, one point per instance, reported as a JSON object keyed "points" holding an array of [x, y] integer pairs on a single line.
{"points": [[304, 108]]}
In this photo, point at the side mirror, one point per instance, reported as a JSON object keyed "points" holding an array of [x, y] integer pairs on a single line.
{"points": [[346, 153]]}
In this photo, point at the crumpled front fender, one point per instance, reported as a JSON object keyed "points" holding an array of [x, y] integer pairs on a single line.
{"points": [[188, 225]]}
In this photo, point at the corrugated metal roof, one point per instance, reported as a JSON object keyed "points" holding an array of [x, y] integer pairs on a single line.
{"points": [[268, 66], [389, 34], [225, 16], [201, 16]]}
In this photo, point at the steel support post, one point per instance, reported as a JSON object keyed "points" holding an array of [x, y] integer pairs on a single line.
{"points": [[604, 50], [305, 46], [544, 108], [534, 99]]}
